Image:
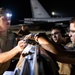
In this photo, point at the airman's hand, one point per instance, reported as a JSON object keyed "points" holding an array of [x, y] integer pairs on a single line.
{"points": [[21, 45]]}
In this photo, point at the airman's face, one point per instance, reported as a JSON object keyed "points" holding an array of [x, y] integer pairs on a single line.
{"points": [[56, 35], [72, 32], [4, 23]]}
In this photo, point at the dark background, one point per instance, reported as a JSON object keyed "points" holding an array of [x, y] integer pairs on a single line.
{"points": [[21, 8]]}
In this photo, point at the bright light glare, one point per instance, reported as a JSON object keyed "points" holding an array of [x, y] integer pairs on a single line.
{"points": [[53, 13], [8, 14]]}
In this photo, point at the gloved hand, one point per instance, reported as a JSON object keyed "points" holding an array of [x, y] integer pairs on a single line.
{"points": [[29, 36], [39, 35]]}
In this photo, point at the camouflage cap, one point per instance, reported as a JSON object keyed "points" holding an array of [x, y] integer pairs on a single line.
{"points": [[3, 11]]}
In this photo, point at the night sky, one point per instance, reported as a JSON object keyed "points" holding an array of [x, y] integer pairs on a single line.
{"points": [[21, 8]]}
